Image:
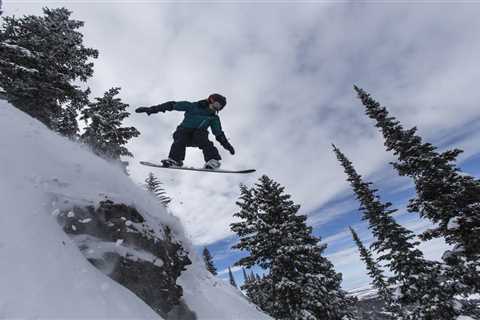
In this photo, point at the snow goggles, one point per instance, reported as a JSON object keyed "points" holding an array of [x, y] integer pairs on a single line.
{"points": [[215, 105]]}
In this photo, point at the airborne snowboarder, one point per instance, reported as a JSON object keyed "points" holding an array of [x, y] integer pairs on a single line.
{"points": [[193, 131]]}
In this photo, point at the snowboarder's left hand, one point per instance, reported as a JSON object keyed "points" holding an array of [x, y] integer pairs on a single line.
{"points": [[224, 142], [230, 149]]}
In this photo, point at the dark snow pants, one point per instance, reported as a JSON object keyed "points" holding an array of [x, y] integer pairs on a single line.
{"points": [[192, 137]]}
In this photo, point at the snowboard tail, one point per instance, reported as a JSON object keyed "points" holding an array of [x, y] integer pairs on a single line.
{"points": [[150, 164]]}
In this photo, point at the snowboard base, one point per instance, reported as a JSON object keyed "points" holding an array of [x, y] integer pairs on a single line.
{"points": [[150, 164]]}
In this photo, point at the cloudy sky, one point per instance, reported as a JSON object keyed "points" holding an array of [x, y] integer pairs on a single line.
{"points": [[287, 70]]}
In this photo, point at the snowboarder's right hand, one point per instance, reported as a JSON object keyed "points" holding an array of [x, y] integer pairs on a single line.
{"points": [[167, 106], [143, 109]]}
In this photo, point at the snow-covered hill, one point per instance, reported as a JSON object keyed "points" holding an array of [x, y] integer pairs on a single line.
{"points": [[43, 274]]}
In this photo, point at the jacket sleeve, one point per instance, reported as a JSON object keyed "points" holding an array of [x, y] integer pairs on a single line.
{"points": [[172, 105], [216, 126], [183, 106]]}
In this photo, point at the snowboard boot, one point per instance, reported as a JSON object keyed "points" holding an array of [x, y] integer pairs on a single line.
{"points": [[171, 163], [212, 164]]}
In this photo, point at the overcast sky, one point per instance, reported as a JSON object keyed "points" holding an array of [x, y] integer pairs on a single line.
{"points": [[287, 71]]}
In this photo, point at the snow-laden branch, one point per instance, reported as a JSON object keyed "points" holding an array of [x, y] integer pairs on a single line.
{"points": [[25, 52]]}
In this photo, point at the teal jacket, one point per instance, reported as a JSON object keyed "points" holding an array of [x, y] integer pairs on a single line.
{"points": [[197, 115]]}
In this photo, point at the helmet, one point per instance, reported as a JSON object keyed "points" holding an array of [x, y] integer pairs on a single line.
{"points": [[221, 100]]}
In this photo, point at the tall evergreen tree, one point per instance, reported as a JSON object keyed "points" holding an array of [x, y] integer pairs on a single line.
{"points": [[301, 283], [153, 185], [444, 194], [104, 132], [419, 281], [246, 229], [379, 281], [231, 278], [42, 58], [208, 259], [65, 122]]}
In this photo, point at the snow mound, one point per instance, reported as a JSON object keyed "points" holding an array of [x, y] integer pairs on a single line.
{"points": [[42, 272]]}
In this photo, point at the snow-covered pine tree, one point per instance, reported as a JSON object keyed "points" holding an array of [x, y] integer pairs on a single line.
{"points": [[246, 227], [208, 259], [379, 280], [104, 132], [231, 278], [42, 58], [252, 286], [444, 194], [258, 291], [419, 281], [300, 282], [153, 185], [65, 122]]}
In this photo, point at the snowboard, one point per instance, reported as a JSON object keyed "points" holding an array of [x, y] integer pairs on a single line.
{"points": [[145, 163]]}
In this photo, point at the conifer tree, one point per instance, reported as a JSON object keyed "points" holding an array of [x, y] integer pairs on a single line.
{"points": [[231, 278], [258, 291], [153, 185], [254, 286], [104, 132], [246, 228], [444, 194], [65, 122], [42, 58], [379, 281], [419, 281], [301, 283], [208, 259]]}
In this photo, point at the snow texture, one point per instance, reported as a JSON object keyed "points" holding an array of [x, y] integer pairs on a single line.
{"points": [[43, 274]]}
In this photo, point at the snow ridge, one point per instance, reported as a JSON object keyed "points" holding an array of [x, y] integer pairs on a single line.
{"points": [[43, 274]]}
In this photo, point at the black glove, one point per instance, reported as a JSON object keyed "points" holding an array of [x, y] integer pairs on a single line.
{"points": [[224, 142], [167, 106], [143, 109], [230, 149]]}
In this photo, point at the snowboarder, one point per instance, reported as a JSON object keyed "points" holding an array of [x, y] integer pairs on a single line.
{"points": [[193, 131]]}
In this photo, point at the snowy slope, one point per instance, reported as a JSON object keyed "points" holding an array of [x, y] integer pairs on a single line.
{"points": [[42, 273], [223, 302]]}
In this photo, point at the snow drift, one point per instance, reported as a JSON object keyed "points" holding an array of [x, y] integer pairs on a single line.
{"points": [[42, 271]]}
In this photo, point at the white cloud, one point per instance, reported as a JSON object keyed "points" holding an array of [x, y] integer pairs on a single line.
{"points": [[287, 71]]}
